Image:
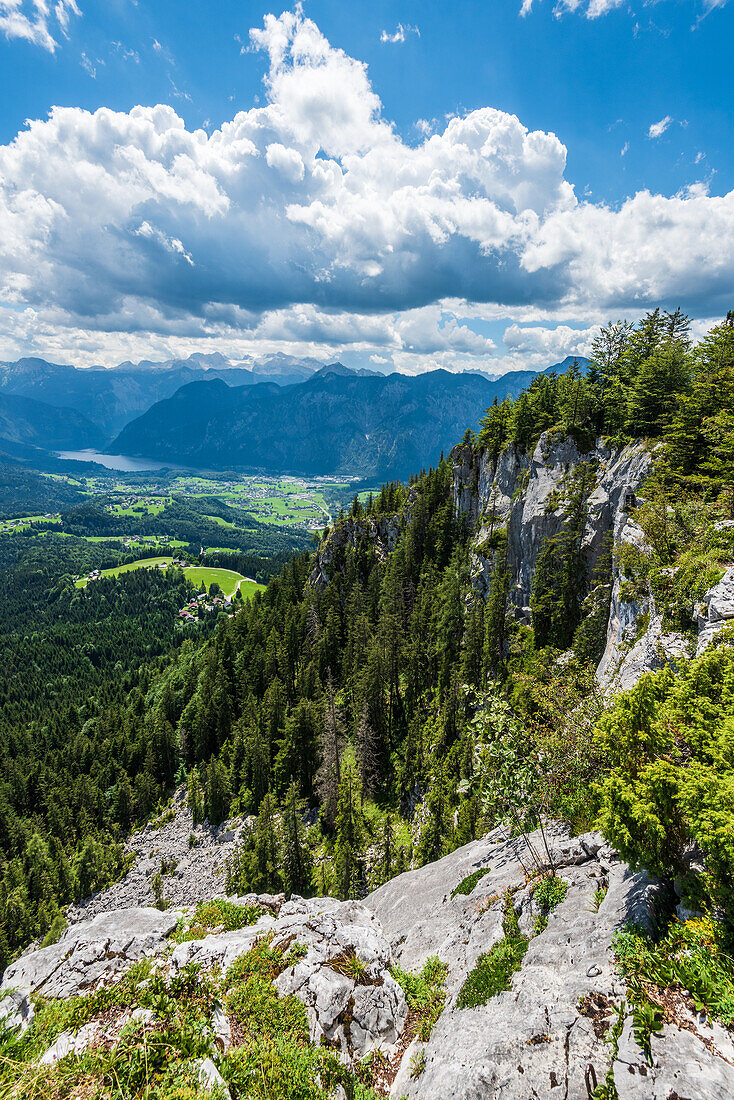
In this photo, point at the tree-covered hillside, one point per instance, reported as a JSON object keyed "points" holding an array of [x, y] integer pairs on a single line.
{"points": [[374, 687]]}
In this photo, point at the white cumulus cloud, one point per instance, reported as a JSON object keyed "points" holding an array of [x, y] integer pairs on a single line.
{"points": [[547, 343], [307, 224]]}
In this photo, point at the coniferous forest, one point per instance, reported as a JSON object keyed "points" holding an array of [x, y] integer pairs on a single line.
{"points": [[370, 711]]}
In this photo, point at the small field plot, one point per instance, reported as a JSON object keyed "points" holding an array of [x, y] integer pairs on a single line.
{"points": [[142, 563], [222, 522], [227, 579], [23, 523], [249, 588], [148, 506]]}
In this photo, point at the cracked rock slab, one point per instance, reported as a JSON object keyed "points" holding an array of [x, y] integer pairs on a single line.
{"points": [[545, 1037], [91, 953]]}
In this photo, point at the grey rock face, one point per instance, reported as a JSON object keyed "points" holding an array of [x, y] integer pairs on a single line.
{"points": [[361, 1013], [343, 979], [381, 533], [92, 953], [621, 666], [539, 1038], [211, 1080], [68, 1043], [717, 611], [630, 652], [681, 1064], [521, 494]]}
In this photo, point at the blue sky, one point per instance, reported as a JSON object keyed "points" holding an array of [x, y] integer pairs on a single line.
{"points": [[499, 182]]}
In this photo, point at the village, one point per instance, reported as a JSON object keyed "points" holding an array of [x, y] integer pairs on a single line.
{"points": [[219, 588], [203, 604]]}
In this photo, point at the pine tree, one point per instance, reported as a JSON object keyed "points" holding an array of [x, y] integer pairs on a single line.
{"points": [[267, 860], [559, 582], [387, 852], [471, 657]]}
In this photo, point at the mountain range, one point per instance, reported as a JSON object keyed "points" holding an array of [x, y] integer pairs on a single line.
{"points": [[335, 423], [281, 415], [112, 397], [27, 421]]}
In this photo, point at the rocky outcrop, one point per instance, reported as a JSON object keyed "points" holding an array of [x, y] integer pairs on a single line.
{"points": [[380, 532], [622, 665], [636, 642], [344, 980], [91, 953], [358, 1014], [545, 1037], [523, 494], [716, 611]]}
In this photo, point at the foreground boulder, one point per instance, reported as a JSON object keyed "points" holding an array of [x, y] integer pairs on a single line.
{"points": [[547, 1036], [92, 953], [343, 977]]}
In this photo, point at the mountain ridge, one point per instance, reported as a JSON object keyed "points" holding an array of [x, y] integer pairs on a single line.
{"points": [[336, 422], [112, 397]]}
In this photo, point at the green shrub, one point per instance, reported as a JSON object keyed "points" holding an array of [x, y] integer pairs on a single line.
{"points": [[417, 1064], [218, 913], [493, 971], [425, 993], [549, 892], [350, 964], [669, 744], [58, 926], [599, 894]]}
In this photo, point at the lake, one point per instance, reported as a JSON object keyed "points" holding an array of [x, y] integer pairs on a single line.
{"points": [[124, 463]]}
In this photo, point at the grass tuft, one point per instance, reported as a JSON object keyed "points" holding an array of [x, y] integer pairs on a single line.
{"points": [[219, 913], [467, 884]]}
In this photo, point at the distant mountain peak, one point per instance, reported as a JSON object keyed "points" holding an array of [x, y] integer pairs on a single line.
{"points": [[340, 371]]}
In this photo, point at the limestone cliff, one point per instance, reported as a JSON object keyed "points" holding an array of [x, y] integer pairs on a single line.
{"points": [[381, 533], [523, 495]]}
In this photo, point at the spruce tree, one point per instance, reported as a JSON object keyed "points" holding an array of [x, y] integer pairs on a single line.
{"points": [[328, 776], [297, 860], [368, 752], [495, 613], [218, 793], [350, 836]]}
